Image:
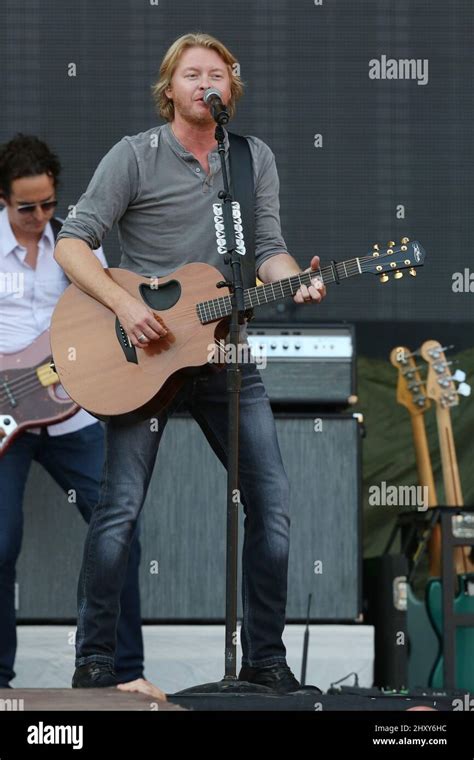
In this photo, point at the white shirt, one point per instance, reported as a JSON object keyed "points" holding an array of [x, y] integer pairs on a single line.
{"points": [[27, 300]]}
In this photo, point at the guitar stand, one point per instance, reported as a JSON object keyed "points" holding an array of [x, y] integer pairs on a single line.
{"points": [[451, 620], [408, 523]]}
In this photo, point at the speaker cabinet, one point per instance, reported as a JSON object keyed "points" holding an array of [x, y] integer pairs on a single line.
{"points": [[183, 528]]}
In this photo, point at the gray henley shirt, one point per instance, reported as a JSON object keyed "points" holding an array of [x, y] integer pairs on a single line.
{"points": [[160, 197]]}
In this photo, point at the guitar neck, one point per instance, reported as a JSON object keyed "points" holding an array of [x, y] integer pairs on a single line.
{"points": [[274, 291], [440, 386], [425, 477], [423, 459], [449, 462], [217, 308], [451, 479]]}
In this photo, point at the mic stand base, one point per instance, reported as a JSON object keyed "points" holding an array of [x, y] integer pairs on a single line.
{"points": [[227, 686]]}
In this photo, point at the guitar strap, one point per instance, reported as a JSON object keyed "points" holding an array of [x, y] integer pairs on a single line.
{"points": [[241, 166], [56, 225]]}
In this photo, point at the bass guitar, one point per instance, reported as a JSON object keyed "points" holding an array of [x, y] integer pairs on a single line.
{"points": [[30, 392], [411, 394], [442, 389]]}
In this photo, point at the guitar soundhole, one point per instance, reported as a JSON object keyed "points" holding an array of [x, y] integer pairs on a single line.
{"points": [[163, 297]]}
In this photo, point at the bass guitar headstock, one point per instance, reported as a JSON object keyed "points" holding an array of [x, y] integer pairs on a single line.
{"points": [[411, 392], [441, 384]]}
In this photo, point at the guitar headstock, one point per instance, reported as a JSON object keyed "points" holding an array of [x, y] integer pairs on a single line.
{"points": [[411, 392], [395, 259], [441, 386]]}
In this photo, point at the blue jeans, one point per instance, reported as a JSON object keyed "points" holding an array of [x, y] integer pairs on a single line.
{"points": [[75, 461], [264, 489]]}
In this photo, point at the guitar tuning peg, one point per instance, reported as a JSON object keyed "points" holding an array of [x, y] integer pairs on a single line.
{"points": [[383, 278], [375, 246], [412, 271], [459, 376], [398, 275], [464, 389], [390, 243], [405, 240]]}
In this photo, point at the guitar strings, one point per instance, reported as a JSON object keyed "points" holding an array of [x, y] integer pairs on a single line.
{"points": [[351, 267], [19, 381], [288, 286]]}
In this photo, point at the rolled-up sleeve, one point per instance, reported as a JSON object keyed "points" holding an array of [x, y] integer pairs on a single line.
{"points": [[111, 190], [269, 240]]}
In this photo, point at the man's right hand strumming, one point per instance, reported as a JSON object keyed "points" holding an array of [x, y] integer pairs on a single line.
{"points": [[139, 322], [82, 268]]}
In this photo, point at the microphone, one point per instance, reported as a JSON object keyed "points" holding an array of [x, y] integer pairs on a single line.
{"points": [[213, 98]]}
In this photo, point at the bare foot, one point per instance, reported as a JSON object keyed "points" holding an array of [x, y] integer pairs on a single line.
{"points": [[143, 686]]}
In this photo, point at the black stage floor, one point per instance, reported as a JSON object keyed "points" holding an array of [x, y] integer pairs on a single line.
{"points": [[112, 699]]}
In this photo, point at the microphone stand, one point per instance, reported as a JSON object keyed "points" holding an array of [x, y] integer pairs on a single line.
{"points": [[230, 682]]}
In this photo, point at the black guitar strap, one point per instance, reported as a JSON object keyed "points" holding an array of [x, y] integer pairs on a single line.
{"points": [[55, 226], [241, 167]]}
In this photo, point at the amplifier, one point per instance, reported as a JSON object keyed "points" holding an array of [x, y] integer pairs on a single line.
{"points": [[300, 365], [183, 528]]}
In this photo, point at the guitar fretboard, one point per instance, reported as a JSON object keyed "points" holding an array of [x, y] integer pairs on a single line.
{"points": [[217, 308]]}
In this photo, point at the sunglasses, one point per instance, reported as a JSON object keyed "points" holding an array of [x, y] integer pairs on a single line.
{"points": [[29, 208]]}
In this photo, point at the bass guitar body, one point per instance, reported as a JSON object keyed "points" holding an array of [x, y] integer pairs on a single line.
{"points": [[30, 392], [463, 603]]}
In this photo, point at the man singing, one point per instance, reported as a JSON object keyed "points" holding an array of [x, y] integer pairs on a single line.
{"points": [[159, 186]]}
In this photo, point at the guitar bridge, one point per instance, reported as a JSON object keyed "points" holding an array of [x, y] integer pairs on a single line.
{"points": [[127, 346]]}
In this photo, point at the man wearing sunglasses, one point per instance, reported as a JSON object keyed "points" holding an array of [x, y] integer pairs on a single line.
{"points": [[71, 451], [29, 208]]}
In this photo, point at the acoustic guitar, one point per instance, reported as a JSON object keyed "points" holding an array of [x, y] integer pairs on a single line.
{"points": [[106, 375], [30, 392]]}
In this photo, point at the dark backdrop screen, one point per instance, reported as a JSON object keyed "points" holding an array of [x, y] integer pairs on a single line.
{"points": [[395, 154]]}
